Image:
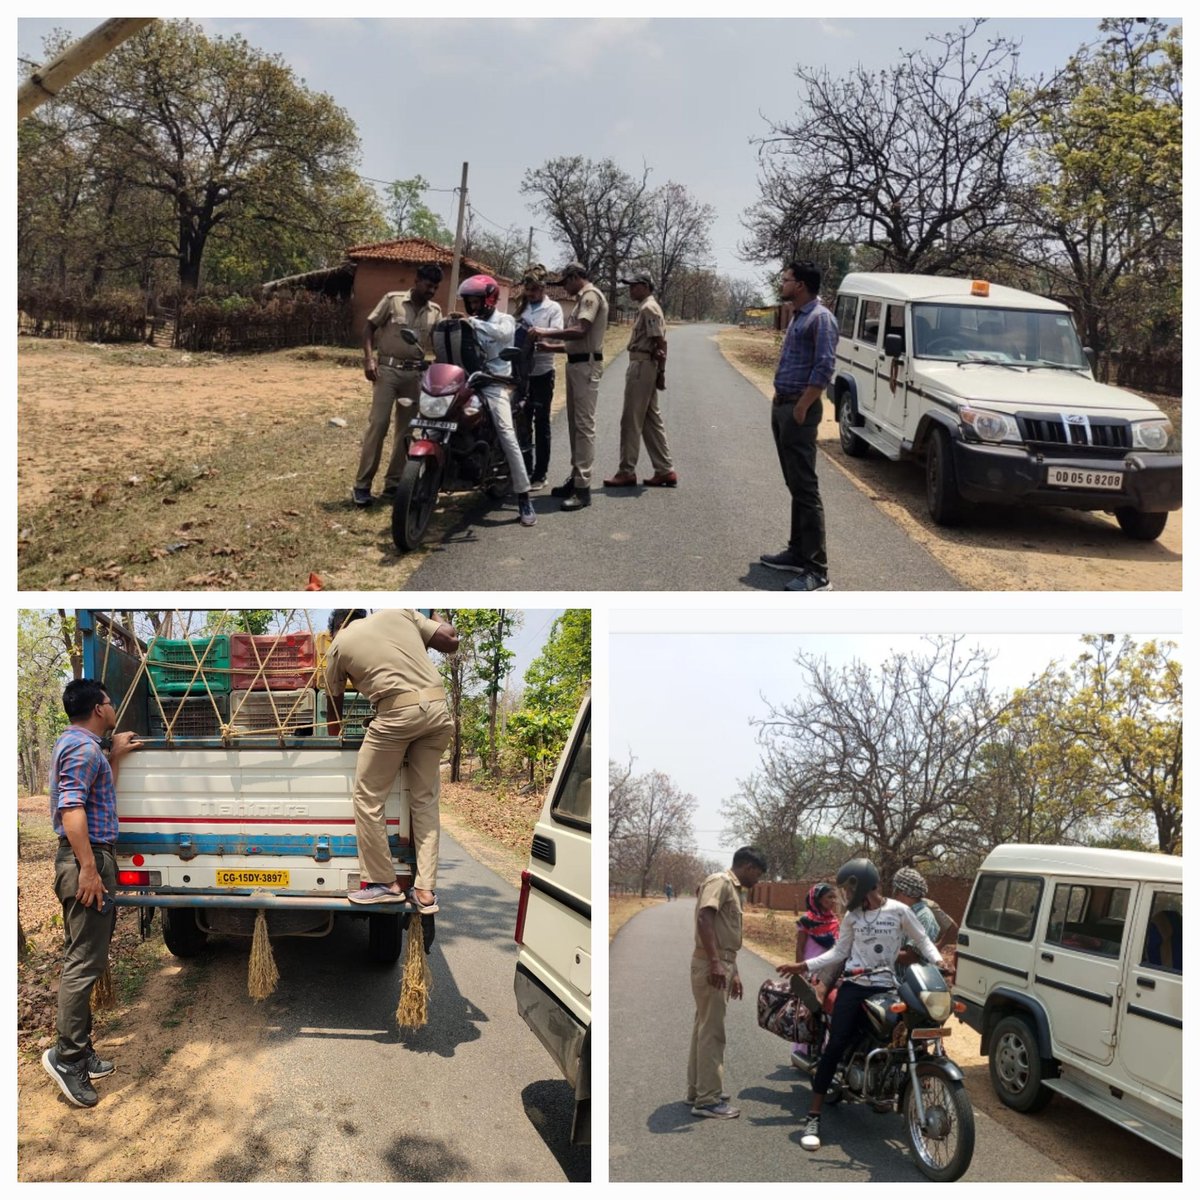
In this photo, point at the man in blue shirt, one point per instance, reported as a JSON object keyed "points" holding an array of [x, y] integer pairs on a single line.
{"points": [[806, 366], [83, 811]]}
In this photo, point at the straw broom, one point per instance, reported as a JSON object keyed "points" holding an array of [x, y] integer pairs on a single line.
{"points": [[104, 995], [416, 980], [263, 974]]}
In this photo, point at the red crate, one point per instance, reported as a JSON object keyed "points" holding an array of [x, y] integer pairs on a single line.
{"points": [[290, 658]]}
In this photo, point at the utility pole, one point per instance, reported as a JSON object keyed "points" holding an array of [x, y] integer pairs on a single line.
{"points": [[529, 249], [458, 235], [46, 82]]}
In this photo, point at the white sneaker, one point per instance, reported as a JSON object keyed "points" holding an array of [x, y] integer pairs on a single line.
{"points": [[812, 1133]]}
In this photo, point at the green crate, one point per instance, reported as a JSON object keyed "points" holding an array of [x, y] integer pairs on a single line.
{"points": [[172, 661], [191, 716], [355, 709]]}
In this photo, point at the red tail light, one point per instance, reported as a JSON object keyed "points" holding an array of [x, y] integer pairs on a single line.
{"points": [[134, 878], [522, 908]]}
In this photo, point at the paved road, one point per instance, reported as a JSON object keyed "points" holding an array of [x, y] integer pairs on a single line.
{"points": [[731, 506], [472, 1096], [654, 1137]]}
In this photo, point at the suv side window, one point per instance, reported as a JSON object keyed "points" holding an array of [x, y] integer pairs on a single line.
{"points": [[1086, 917], [573, 804], [1163, 948], [1005, 904], [868, 321], [844, 312]]}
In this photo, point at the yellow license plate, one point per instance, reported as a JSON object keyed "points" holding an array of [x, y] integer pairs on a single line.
{"points": [[279, 879]]}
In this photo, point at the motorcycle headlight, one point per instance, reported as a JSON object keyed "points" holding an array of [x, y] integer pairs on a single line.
{"points": [[990, 426], [937, 1005], [435, 406], [1151, 435]]}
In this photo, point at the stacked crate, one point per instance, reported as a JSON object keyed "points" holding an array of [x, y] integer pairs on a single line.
{"points": [[260, 713], [188, 716], [172, 663], [355, 709], [288, 661]]}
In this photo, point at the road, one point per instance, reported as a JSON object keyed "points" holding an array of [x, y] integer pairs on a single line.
{"points": [[731, 506], [654, 1137]]}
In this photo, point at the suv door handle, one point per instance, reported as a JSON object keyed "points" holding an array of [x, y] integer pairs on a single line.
{"points": [[964, 939], [1047, 957], [1146, 983]]}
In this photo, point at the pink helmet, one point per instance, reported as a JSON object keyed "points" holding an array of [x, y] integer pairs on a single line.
{"points": [[482, 286]]}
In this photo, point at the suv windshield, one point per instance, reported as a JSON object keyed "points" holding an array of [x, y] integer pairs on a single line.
{"points": [[964, 333]]}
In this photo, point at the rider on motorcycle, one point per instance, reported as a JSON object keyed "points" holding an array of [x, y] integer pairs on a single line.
{"points": [[869, 941], [495, 331]]}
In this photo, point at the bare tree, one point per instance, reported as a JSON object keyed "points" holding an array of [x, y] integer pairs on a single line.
{"points": [[676, 238], [657, 821], [504, 250]]}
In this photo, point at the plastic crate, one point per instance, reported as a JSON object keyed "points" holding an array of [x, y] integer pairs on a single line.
{"points": [[172, 663], [324, 641], [189, 716], [290, 658], [258, 713], [355, 709]]}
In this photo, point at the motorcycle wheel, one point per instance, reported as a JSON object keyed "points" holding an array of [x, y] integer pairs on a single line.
{"points": [[416, 498], [945, 1146]]}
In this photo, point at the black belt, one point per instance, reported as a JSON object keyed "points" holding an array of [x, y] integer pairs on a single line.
{"points": [[111, 847], [578, 358], [402, 364]]}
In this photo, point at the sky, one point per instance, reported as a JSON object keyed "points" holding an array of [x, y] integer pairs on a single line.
{"points": [[706, 743], [684, 96]]}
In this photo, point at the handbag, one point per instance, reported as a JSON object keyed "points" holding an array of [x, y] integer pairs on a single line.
{"points": [[780, 1012]]}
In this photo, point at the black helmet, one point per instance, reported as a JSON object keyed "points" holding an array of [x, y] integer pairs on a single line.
{"points": [[856, 880]]}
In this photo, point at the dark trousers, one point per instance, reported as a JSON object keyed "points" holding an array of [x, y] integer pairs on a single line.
{"points": [[87, 933], [844, 1024], [797, 447], [537, 456]]}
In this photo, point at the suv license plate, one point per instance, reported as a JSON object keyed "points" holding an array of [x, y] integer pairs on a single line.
{"points": [[253, 878], [424, 423], [1075, 477]]}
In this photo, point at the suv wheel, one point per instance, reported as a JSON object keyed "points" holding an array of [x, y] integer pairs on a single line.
{"points": [[1141, 526], [852, 445], [945, 505], [1016, 1066]]}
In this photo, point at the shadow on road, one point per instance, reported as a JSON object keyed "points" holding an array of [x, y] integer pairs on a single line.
{"points": [[546, 1104]]}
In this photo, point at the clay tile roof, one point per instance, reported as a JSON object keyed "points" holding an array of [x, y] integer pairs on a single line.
{"points": [[415, 250]]}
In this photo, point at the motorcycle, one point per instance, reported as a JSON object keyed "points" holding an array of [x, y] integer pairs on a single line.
{"points": [[454, 444], [900, 1047]]}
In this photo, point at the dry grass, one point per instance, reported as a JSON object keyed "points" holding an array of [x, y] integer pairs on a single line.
{"points": [[621, 908]]}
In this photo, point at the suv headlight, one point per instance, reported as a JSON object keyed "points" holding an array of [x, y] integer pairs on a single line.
{"points": [[990, 426], [434, 407], [1151, 435]]}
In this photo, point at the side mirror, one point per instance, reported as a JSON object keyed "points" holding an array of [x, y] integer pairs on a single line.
{"points": [[893, 344], [1090, 355]]}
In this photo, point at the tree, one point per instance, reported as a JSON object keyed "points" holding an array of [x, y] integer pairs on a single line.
{"points": [[597, 210], [741, 294], [44, 648], [914, 161], [410, 216], [676, 238], [658, 823], [225, 135], [504, 251]]}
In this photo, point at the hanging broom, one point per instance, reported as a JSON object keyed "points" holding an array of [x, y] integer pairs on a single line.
{"points": [[103, 993], [263, 974], [416, 980]]}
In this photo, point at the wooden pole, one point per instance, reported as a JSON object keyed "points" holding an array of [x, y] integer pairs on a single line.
{"points": [[458, 235], [46, 82], [529, 249]]}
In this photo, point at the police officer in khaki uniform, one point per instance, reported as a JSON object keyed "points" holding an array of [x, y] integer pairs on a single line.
{"points": [[393, 365], [386, 656], [641, 418], [715, 979], [584, 338]]}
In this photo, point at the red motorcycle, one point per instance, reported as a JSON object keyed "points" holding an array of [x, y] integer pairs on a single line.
{"points": [[454, 445]]}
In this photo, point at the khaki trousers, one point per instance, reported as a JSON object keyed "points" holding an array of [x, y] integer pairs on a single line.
{"points": [[583, 390], [640, 418], [706, 1060], [394, 398], [420, 735]]}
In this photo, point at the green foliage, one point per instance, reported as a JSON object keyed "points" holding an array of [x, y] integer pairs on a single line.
{"points": [[43, 669], [410, 216]]}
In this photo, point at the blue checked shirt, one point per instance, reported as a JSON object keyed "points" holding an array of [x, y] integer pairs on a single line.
{"points": [[809, 351], [81, 777]]}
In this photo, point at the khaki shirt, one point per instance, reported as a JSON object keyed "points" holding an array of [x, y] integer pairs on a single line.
{"points": [[590, 305], [722, 893], [395, 310], [648, 325], [385, 653]]}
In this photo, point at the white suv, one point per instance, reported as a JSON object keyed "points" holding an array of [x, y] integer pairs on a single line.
{"points": [[991, 388], [1070, 963]]}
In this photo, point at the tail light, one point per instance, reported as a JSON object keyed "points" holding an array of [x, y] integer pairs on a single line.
{"points": [[898, 1006], [139, 878], [522, 909]]}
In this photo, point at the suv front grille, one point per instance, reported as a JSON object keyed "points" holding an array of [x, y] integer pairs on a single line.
{"points": [[1099, 437]]}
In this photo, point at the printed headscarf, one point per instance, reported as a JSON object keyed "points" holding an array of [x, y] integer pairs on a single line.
{"points": [[821, 926]]}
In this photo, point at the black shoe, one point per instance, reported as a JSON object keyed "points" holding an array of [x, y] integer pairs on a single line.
{"points": [[564, 489], [806, 581], [579, 498], [789, 560], [97, 1067], [72, 1079], [388, 495], [362, 497]]}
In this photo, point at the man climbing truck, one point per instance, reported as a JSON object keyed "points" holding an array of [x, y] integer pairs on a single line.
{"points": [[239, 809]]}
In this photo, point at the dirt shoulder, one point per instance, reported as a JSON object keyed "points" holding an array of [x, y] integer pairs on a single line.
{"points": [[1000, 549]]}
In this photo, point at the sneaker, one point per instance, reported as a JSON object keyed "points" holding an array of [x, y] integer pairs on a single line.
{"points": [[721, 1110], [564, 489], [692, 1099], [72, 1079], [787, 561], [581, 497], [388, 494], [97, 1067], [528, 516], [362, 497], [806, 581], [811, 1138], [536, 485], [374, 893]]}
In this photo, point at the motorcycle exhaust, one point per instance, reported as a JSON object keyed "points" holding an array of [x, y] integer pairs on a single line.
{"points": [[807, 1065]]}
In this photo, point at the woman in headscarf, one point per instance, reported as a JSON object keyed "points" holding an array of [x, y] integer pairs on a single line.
{"points": [[816, 932]]}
